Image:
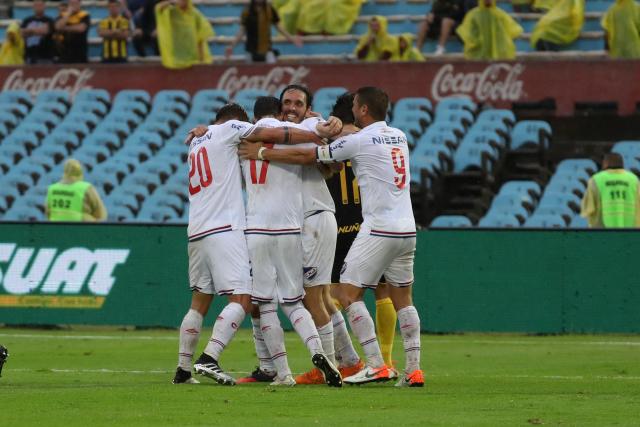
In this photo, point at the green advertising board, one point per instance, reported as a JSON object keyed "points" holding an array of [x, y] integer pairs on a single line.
{"points": [[466, 280]]}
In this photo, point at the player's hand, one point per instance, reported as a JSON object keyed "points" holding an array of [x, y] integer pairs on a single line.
{"points": [[196, 132], [249, 150], [331, 127], [310, 114]]}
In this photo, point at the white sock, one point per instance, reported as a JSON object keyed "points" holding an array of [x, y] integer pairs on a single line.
{"points": [[274, 338], [362, 326], [345, 353], [264, 357], [224, 329], [326, 338], [303, 324], [189, 334], [410, 329]]}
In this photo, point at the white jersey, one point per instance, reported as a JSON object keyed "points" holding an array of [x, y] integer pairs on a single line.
{"points": [[215, 181], [274, 192], [315, 193], [379, 156]]}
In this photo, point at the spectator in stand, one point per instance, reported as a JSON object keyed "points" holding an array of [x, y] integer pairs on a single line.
{"points": [[328, 16], [405, 51], [114, 31], [488, 32], [37, 31], [561, 25], [72, 198], [12, 50], [621, 24], [256, 21], [612, 199], [440, 23], [58, 37], [145, 33], [73, 26], [376, 44], [183, 34]]}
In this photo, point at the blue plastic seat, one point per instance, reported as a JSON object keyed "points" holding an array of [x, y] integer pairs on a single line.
{"points": [[172, 95], [104, 139], [430, 138], [49, 119], [418, 163], [413, 103], [171, 117], [23, 213], [13, 150], [120, 213], [484, 137], [531, 133], [554, 198], [118, 128], [135, 95], [178, 108], [531, 188], [247, 98], [154, 213], [31, 170], [21, 96], [571, 165], [419, 116], [571, 176], [79, 128], [579, 222], [94, 107], [148, 139], [53, 95], [450, 221], [131, 107], [93, 95], [463, 117], [40, 130], [474, 157], [627, 148], [8, 119], [499, 221], [56, 153], [163, 169], [503, 116], [128, 198], [209, 99], [456, 104], [541, 220], [25, 137], [563, 211], [448, 126], [137, 153], [57, 108], [88, 118]]}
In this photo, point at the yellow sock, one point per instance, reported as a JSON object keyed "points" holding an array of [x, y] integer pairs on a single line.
{"points": [[386, 326]]}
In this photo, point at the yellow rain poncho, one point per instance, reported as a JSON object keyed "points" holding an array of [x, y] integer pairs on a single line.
{"points": [[561, 25], [179, 34], [411, 53], [622, 23], [383, 41], [288, 11], [488, 33], [12, 51], [328, 16]]}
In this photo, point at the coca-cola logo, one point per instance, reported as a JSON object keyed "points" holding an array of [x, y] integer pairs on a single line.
{"points": [[497, 82], [69, 79], [272, 82]]}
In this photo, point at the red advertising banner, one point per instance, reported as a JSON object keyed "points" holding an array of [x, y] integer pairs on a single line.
{"points": [[496, 83]]}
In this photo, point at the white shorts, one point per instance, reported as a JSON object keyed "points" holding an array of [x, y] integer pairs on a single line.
{"points": [[319, 235], [276, 263], [372, 256], [219, 264]]}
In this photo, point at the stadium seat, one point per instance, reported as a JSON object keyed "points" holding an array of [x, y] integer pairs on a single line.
{"points": [[23, 213], [499, 221], [132, 95], [474, 157], [553, 198], [579, 176], [247, 98], [8, 119], [88, 118], [562, 211], [490, 138], [92, 95], [20, 96], [411, 104], [328, 95], [579, 222], [94, 107], [518, 187], [171, 117], [138, 108], [627, 148], [172, 95], [542, 220], [153, 213], [120, 213], [53, 95], [118, 128], [29, 169], [456, 104], [463, 117], [531, 133], [435, 137], [152, 140], [209, 99], [78, 127], [574, 165], [57, 108], [49, 119], [504, 116], [450, 221], [178, 108]]}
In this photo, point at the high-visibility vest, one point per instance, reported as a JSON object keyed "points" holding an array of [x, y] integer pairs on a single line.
{"points": [[66, 201], [618, 193]]}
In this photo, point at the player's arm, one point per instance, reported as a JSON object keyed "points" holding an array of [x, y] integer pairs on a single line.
{"points": [[283, 135], [296, 156]]}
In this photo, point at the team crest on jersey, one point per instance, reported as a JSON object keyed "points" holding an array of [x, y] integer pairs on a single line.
{"points": [[344, 268], [310, 272]]}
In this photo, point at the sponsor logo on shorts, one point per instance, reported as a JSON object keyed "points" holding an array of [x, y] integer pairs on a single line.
{"points": [[48, 277], [344, 268], [310, 272]]}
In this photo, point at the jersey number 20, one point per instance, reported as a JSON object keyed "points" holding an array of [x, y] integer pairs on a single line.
{"points": [[199, 162]]}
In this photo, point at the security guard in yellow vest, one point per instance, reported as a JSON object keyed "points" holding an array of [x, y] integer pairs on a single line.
{"points": [[72, 199], [612, 199]]}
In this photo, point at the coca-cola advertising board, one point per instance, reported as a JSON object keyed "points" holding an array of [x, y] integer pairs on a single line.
{"points": [[496, 83]]}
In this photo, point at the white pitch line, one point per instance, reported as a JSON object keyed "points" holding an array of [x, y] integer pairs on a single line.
{"points": [[426, 340], [165, 372]]}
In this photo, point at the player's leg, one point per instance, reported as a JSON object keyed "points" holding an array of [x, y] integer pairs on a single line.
{"points": [[367, 259], [347, 358], [400, 278], [201, 284], [228, 261], [274, 339], [386, 320], [266, 370]]}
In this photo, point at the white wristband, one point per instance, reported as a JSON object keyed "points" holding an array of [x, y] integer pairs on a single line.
{"points": [[260, 151]]}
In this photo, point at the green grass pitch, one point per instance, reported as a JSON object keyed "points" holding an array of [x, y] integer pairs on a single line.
{"points": [[91, 377]]}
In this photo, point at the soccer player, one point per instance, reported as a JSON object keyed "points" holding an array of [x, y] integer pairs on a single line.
{"points": [[346, 194], [218, 255], [274, 221], [386, 241], [319, 233]]}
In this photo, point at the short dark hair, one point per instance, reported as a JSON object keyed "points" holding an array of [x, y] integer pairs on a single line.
{"points": [[231, 111], [113, 2], [302, 89], [376, 99], [343, 108], [613, 161], [266, 106]]}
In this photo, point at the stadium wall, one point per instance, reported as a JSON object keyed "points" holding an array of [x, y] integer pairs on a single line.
{"points": [[471, 280], [567, 81]]}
